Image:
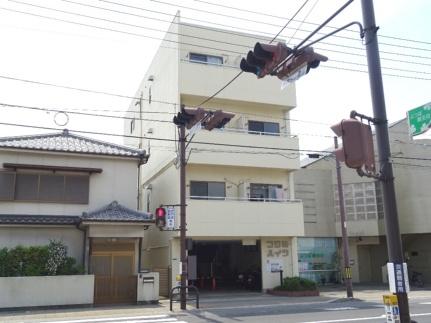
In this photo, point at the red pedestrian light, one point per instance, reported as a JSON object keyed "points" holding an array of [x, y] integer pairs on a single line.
{"points": [[160, 217]]}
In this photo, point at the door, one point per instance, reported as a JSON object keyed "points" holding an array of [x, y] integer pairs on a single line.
{"points": [[115, 281]]}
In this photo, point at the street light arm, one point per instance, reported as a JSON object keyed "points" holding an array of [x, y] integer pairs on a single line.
{"points": [[361, 33]]}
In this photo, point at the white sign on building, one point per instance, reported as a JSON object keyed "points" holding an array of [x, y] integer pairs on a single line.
{"points": [[170, 218]]}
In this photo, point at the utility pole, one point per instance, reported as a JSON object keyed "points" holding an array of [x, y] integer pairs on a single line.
{"points": [[393, 237], [346, 255], [183, 255]]}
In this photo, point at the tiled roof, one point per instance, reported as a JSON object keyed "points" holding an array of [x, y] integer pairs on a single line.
{"points": [[115, 212], [66, 142], [39, 219]]}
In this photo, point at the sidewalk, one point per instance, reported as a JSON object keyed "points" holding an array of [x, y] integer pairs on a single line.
{"points": [[370, 293]]}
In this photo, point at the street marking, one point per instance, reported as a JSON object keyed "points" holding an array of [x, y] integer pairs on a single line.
{"points": [[347, 320], [130, 319], [341, 308], [362, 318]]}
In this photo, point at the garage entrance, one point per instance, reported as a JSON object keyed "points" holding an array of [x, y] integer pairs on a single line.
{"points": [[227, 265]]}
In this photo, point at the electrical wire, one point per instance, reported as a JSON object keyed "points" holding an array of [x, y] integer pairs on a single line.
{"points": [[207, 39], [164, 139], [81, 113], [242, 10], [220, 49], [238, 75]]}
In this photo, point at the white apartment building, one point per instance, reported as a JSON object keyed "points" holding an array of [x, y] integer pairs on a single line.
{"points": [[316, 186], [242, 215]]}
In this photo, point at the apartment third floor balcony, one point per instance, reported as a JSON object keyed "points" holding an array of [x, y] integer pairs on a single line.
{"points": [[256, 144], [201, 75]]}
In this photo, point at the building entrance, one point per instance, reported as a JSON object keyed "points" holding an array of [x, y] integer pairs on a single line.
{"points": [[227, 265]]}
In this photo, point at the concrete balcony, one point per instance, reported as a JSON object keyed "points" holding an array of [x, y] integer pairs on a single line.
{"points": [[202, 80], [243, 218], [283, 156]]}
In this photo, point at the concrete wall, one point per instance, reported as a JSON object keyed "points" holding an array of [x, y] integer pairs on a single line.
{"points": [[46, 290], [28, 236], [274, 250], [203, 79], [117, 172], [314, 187]]}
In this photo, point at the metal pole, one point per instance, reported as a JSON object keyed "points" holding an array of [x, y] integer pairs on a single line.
{"points": [[346, 255], [281, 277], [183, 216], [393, 236]]}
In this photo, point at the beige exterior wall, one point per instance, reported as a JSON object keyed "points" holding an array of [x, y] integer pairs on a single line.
{"points": [[247, 88], [117, 172], [180, 81], [46, 291], [28, 236]]}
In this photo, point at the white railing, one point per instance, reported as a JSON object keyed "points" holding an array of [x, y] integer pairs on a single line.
{"points": [[242, 199]]}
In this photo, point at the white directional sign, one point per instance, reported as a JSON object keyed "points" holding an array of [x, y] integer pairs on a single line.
{"points": [[170, 218]]}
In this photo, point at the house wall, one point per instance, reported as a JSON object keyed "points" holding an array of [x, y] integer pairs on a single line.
{"points": [[29, 236], [117, 172], [46, 291]]}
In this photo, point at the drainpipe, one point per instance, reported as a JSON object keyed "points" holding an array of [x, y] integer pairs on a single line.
{"points": [[84, 253]]}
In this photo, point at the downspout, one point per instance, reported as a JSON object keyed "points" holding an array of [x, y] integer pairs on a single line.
{"points": [[84, 256]]}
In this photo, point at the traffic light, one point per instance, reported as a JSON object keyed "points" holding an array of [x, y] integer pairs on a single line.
{"points": [[160, 217], [358, 148], [300, 64], [218, 120], [189, 117], [264, 58]]}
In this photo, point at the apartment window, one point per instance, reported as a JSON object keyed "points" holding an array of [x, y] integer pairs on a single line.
{"points": [[207, 190], [264, 192], [206, 59], [263, 127], [44, 187]]}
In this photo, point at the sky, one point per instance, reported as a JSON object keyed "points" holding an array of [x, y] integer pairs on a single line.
{"points": [[107, 46]]}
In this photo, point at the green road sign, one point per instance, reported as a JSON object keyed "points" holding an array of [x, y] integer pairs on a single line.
{"points": [[419, 119]]}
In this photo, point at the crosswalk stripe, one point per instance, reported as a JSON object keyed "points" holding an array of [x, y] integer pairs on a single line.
{"points": [[341, 308], [130, 319]]}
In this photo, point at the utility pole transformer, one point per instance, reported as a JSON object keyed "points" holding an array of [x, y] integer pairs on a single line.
{"points": [[393, 237]]}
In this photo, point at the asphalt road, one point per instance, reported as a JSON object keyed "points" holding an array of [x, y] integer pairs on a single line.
{"points": [[264, 308], [330, 307]]}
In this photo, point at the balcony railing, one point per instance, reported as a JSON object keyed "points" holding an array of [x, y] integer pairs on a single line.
{"points": [[243, 199]]}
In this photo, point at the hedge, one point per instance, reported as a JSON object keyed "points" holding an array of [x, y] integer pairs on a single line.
{"points": [[46, 260], [297, 284]]}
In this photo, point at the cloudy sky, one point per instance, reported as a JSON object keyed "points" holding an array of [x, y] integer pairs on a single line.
{"points": [[106, 46]]}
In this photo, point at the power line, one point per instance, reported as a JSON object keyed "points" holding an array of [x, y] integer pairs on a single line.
{"points": [[124, 23], [310, 23], [228, 32], [214, 48], [385, 74], [80, 89], [81, 113], [239, 28], [164, 139], [298, 151], [239, 74]]}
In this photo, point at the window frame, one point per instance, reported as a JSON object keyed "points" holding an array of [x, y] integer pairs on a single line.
{"points": [[263, 132], [207, 197], [37, 193], [205, 59], [266, 198]]}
